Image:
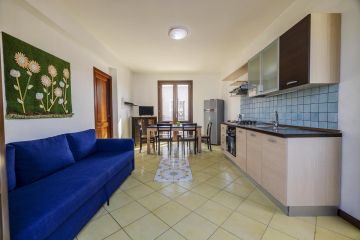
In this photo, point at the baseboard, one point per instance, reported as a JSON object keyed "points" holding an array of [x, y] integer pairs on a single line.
{"points": [[347, 217]]}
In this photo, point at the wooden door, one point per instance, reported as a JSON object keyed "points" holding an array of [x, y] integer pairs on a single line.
{"points": [[294, 65], [103, 104]]}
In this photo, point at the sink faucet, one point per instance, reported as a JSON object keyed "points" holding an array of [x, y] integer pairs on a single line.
{"points": [[276, 122]]}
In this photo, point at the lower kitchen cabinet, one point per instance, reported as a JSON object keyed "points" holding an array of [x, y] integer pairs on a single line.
{"points": [[274, 166], [254, 154], [223, 136], [240, 159]]}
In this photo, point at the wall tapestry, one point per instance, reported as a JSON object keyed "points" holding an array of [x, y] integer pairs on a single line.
{"points": [[37, 84]]}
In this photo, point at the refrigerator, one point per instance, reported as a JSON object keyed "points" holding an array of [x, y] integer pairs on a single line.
{"points": [[214, 112]]}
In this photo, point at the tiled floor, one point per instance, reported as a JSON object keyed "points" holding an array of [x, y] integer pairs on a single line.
{"points": [[219, 204]]}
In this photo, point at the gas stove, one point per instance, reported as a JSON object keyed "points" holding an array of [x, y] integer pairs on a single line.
{"points": [[244, 122]]}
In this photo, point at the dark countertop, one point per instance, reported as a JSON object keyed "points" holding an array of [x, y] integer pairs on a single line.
{"points": [[287, 131]]}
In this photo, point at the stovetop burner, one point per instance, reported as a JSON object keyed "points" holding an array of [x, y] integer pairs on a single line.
{"points": [[247, 122]]}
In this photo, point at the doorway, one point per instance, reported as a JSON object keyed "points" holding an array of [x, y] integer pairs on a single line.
{"points": [[175, 101], [103, 104]]}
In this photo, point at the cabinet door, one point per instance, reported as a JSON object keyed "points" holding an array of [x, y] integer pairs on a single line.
{"points": [[254, 154], [254, 75], [223, 137], [241, 148], [295, 55], [270, 67], [274, 166]]}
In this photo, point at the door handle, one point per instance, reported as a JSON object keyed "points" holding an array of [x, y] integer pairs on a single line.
{"points": [[271, 140], [292, 82]]}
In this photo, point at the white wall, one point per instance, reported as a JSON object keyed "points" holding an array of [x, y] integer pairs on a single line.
{"points": [[349, 97], [20, 19], [205, 86]]}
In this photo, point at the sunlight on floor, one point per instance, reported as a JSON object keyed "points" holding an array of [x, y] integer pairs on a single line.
{"points": [[219, 204]]}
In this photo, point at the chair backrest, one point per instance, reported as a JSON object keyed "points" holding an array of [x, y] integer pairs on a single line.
{"points": [[208, 130], [164, 128], [140, 130], [189, 128]]}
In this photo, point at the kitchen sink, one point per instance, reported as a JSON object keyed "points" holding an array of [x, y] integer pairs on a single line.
{"points": [[271, 127]]}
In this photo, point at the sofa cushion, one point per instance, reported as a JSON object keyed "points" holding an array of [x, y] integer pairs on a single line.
{"points": [[10, 166], [38, 209], [38, 158], [82, 144]]}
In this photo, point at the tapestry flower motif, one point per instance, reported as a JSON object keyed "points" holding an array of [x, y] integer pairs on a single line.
{"points": [[45, 80], [58, 92], [52, 71], [32, 67]]}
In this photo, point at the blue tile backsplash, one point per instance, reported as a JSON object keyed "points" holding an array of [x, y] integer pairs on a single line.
{"points": [[314, 107]]}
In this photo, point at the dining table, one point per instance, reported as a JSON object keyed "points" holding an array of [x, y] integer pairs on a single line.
{"points": [[152, 129]]}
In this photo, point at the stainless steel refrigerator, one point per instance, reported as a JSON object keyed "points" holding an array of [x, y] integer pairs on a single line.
{"points": [[214, 112]]}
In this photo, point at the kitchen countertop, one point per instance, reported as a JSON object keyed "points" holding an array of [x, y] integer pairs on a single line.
{"points": [[287, 131]]}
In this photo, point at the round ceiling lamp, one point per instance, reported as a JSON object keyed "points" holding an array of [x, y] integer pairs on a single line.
{"points": [[178, 33]]}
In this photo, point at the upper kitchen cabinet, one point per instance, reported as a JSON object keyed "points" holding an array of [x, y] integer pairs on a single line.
{"points": [[310, 51], [270, 68], [254, 75]]}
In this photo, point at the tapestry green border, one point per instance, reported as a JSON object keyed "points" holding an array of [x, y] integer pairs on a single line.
{"points": [[37, 83]]}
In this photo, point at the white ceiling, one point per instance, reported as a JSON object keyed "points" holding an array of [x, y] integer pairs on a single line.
{"points": [[136, 30]]}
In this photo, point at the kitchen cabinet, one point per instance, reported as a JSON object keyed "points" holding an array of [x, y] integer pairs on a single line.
{"points": [[254, 154], [310, 51], [223, 129], [254, 75], [274, 166], [240, 159], [270, 68]]}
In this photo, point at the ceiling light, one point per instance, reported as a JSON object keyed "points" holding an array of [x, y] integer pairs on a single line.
{"points": [[178, 33]]}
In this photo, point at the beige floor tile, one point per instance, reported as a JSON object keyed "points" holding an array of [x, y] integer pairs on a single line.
{"points": [[170, 235], [214, 212], [218, 182], [147, 228], [256, 211], [153, 201], [191, 200], [129, 183], [244, 181], [259, 197], [145, 177], [118, 200], [171, 213], [228, 200], [99, 213], [338, 225], [99, 228], [173, 190], [243, 227], [293, 226], [227, 175], [272, 234], [156, 185], [239, 190], [120, 235], [325, 234], [200, 176], [139, 191], [194, 227], [189, 185], [211, 171], [206, 190], [221, 234], [129, 213]]}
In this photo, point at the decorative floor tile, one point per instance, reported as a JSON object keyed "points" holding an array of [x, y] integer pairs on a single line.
{"points": [[173, 170]]}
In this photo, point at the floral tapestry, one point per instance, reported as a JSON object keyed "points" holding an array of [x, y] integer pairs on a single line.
{"points": [[37, 84]]}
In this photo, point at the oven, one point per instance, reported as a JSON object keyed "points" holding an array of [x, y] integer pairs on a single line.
{"points": [[231, 140]]}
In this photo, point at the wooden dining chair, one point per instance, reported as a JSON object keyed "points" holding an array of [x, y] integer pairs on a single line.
{"points": [[207, 138], [188, 135], [143, 139], [164, 134]]}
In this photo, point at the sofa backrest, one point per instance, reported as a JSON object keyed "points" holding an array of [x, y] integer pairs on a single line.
{"points": [[28, 161]]}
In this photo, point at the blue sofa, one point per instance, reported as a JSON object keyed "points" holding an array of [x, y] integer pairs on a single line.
{"points": [[57, 184]]}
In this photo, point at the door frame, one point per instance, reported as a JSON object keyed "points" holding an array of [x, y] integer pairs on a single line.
{"points": [[98, 72], [175, 82]]}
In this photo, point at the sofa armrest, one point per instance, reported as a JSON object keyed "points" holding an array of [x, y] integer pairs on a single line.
{"points": [[115, 145]]}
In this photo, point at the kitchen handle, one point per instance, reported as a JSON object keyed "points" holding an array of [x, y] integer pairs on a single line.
{"points": [[252, 134], [292, 82], [271, 140]]}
